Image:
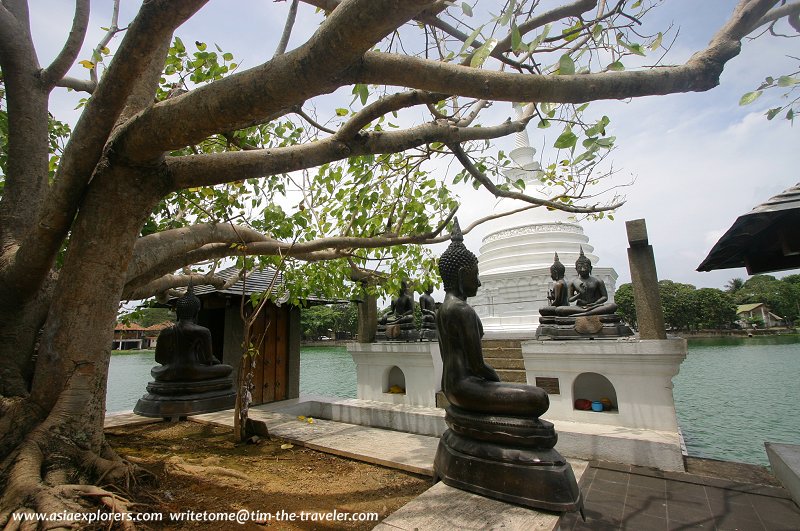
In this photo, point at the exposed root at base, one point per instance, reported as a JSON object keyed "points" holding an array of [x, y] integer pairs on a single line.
{"points": [[39, 479]]}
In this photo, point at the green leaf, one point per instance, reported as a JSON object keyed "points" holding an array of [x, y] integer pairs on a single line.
{"points": [[482, 53], [200, 45], [544, 124], [566, 66], [566, 140], [573, 32], [772, 113], [361, 91], [657, 41], [787, 81], [471, 39], [341, 112], [597, 31], [616, 66], [466, 8], [750, 97], [227, 56], [516, 38], [538, 40]]}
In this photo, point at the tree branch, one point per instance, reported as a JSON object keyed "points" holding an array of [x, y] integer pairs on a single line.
{"points": [[287, 29], [386, 104], [700, 73], [167, 282], [281, 83], [497, 192], [82, 154], [786, 10], [216, 168], [72, 47], [80, 85], [153, 250]]}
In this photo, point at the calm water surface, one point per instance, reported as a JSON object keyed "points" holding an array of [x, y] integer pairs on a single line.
{"points": [[731, 394], [325, 371]]}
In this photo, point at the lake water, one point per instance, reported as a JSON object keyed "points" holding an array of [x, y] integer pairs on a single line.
{"points": [[731, 395]]}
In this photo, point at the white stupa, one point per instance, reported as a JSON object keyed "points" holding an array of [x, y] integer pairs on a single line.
{"points": [[517, 252]]}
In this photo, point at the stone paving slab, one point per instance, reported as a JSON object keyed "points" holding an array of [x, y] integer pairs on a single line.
{"points": [[404, 451], [617, 496], [627, 497], [127, 418], [446, 508]]}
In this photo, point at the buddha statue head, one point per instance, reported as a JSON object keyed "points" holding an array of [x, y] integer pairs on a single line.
{"points": [[583, 265], [188, 306], [458, 266], [557, 270]]}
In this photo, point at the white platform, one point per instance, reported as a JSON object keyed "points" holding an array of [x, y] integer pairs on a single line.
{"points": [[415, 367], [785, 462], [650, 448], [639, 372]]}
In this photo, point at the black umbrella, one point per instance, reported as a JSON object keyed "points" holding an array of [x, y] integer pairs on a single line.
{"points": [[763, 240]]}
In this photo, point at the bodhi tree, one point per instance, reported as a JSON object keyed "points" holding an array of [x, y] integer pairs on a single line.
{"points": [[180, 158]]}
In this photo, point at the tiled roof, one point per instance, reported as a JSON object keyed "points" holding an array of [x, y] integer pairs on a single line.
{"points": [[763, 240], [257, 281], [748, 307]]}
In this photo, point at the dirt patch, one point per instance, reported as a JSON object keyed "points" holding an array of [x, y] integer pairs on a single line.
{"points": [[197, 467]]}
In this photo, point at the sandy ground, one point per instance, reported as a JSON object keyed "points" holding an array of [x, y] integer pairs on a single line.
{"points": [[197, 467]]}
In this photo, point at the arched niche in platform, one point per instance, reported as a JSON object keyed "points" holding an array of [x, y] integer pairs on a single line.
{"points": [[394, 377], [593, 386]]}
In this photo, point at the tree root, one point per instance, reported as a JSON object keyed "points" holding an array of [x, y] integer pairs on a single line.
{"points": [[177, 466], [44, 476]]}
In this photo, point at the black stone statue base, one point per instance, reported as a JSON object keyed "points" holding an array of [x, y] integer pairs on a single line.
{"points": [[429, 334], [179, 399], [397, 333], [538, 478], [582, 327]]}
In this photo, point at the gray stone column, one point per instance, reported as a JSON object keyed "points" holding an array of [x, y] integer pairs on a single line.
{"points": [[649, 313]]}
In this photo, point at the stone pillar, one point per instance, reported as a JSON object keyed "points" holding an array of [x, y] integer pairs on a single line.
{"points": [[649, 313], [367, 317]]}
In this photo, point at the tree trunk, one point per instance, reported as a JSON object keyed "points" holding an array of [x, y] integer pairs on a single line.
{"points": [[61, 445]]}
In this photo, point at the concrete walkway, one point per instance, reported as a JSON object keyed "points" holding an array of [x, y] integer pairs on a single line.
{"points": [[617, 496]]}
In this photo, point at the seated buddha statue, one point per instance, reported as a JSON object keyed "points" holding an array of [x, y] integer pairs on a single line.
{"points": [[399, 323], [587, 292], [401, 309], [467, 381], [184, 350], [495, 443], [427, 307]]}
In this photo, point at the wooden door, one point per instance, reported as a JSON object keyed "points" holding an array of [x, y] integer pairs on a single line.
{"points": [[271, 331]]}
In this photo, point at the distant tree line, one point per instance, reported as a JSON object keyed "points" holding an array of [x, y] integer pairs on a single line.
{"points": [[689, 308], [328, 320]]}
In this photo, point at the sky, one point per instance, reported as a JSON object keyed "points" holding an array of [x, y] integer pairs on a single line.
{"points": [[698, 160]]}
